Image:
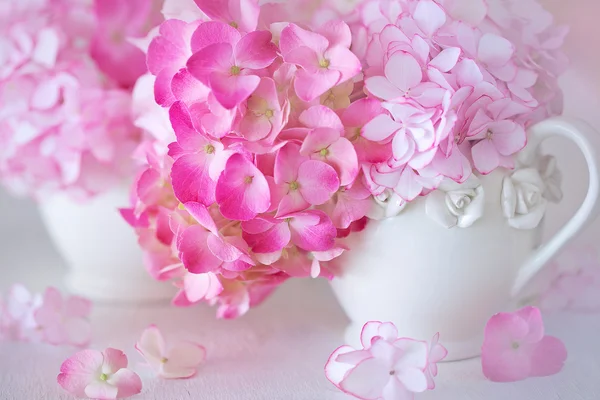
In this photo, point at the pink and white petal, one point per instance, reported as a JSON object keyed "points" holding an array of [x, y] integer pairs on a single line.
{"points": [[549, 357], [367, 380], [380, 128], [231, 90], [485, 156], [245, 13], [242, 191], [309, 86], [114, 360], [508, 138], [127, 382], [318, 181], [255, 127], [336, 371], [194, 251], [408, 186], [78, 331], [321, 117], [151, 344], [380, 86], [77, 371], [413, 379], [201, 286], [403, 71], [395, 390], [185, 354], [495, 50], [255, 50], [533, 318], [304, 57], [429, 17], [414, 353], [447, 59], [370, 331], [101, 390]]}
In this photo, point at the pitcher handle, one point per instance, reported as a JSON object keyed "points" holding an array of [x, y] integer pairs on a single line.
{"points": [[581, 134]]}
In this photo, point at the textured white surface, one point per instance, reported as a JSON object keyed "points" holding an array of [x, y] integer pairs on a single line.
{"points": [[275, 352]]}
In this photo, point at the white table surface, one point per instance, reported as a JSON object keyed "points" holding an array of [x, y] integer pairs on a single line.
{"points": [[275, 352]]}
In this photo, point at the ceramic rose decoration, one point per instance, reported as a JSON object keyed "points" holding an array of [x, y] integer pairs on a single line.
{"points": [[278, 133]]}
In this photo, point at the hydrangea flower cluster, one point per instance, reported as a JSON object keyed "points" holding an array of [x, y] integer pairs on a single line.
{"points": [[287, 130], [66, 71]]}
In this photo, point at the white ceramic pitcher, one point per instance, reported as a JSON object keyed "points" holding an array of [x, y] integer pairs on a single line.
{"points": [[427, 278], [105, 262]]}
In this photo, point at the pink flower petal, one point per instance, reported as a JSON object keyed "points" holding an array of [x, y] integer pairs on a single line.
{"points": [[114, 360], [367, 380], [187, 88], [244, 13], [429, 17], [380, 86], [485, 156], [309, 86], [242, 190], [312, 230], [77, 371], [318, 181], [191, 180], [231, 90], [549, 357], [101, 390], [212, 32], [127, 382], [495, 50], [183, 360], [194, 251], [380, 128], [403, 71], [274, 238], [255, 50], [321, 117], [216, 57], [446, 60], [336, 371], [151, 346], [202, 215]]}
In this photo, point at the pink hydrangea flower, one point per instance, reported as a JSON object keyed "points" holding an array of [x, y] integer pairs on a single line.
{"points": [[387, 367], [228, 62], [171, 361], [64, 321], [515, 347], [323, 57], [99, 375]]}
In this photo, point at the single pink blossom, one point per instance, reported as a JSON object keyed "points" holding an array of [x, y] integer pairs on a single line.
{"points": [[171, 361], [324, 58], [99, 375], [310, 230], [242, 190], [228, 62], [197, 287], [499, 136], [199, 159], [516, 348], [304, 181], [265, 115], [64, 321], [386, 367]]}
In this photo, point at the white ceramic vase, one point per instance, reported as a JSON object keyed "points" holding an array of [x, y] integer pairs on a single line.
{"points": [[448, 266], [101, 251]]}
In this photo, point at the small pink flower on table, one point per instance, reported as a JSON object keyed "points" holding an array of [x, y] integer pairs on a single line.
{"points": [[516, 348], [171, 361], [387, 367], [64, 321], [99, 375], [17, 320]]}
